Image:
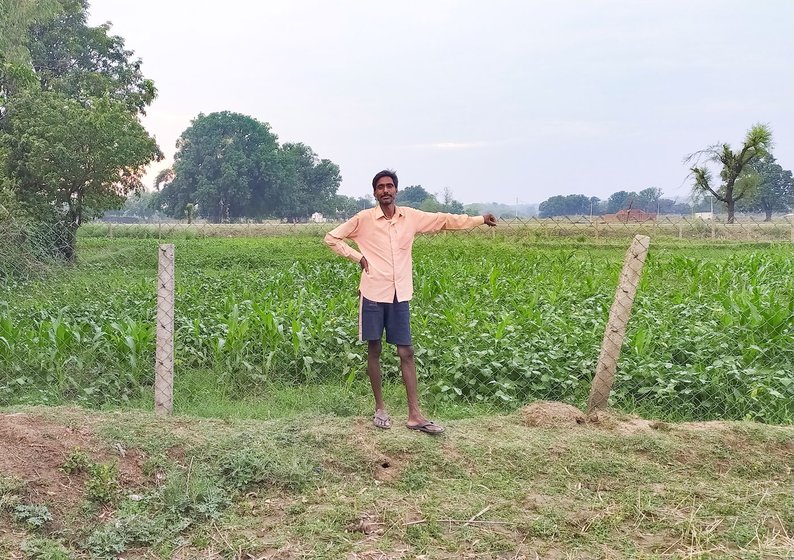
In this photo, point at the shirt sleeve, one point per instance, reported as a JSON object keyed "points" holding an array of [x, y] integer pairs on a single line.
{"points": [[335, 239], [427, 222]]}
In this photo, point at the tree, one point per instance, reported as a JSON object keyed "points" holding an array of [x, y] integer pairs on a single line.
{"points": [[16, 19], [71, 161], [735, 184], [648, 199], [71, 145], [413, 196], [775, 191], [363, 203], [619, 201], [226, 164], [85, 62], [308, 183], [564, 205]]}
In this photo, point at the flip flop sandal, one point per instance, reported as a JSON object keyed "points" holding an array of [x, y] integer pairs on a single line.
{"points": [[382, 421], [428, 427]]}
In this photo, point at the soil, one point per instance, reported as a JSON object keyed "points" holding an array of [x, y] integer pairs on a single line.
{"points": [[549, 414], [33, 449]]}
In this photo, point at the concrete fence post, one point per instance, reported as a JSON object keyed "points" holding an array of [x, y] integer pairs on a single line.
{"points": [[616, 325], [164, 354]]}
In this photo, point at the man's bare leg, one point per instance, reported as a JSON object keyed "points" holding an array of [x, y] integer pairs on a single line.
{"points": [[408, 369], [381, 418]]}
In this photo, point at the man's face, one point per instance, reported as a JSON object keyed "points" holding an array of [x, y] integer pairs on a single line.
{"points": [[385, 191]]}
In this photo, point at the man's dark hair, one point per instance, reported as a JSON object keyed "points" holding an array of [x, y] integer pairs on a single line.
{"points": [[385, 173]]}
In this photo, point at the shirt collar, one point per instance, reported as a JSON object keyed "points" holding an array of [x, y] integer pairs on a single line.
{"points": [[379, 212]]}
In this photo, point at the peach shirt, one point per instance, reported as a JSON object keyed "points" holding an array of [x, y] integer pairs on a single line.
{"points": [[387, 245]]}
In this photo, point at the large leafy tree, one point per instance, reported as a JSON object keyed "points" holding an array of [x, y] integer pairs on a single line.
{"points": [[71, 144], [84, 62], [226, 164], [16, 19], [775, 190], [71, 161], [735, 184]]}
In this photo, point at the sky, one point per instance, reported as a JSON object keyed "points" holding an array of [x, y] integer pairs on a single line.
{"points": [[509, 101]]}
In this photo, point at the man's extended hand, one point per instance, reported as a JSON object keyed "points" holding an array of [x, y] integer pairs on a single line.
{"points": [[364, 264], [490, 219]]}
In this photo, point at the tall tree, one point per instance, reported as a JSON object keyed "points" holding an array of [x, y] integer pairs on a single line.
{"points": [[775, 191], [71, 144], [71, 161], [84, 62], [735, 184], [16, 19], [227, 164]]}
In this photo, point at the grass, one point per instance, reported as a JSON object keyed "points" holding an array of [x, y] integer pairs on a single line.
{"points": [[325, 486]]}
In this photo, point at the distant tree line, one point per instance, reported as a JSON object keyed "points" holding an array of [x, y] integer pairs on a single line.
{"points": [[649, 200], [748, 184]]}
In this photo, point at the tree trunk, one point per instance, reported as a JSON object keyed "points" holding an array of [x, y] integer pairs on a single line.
{"points": [[66, 241], [731, 210]]}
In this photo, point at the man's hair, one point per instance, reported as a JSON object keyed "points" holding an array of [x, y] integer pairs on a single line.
{"points": [[385, 173]]}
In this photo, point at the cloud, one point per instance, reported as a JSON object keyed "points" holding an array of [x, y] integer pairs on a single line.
{"points": [[451, 145]]}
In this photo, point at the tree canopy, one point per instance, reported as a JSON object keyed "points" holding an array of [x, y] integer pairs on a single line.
{"points": [[775, 190], [735, 183], [71, 143], [230, 166]]}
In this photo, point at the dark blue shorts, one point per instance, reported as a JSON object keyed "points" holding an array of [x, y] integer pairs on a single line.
{"points": [[395, 317]]}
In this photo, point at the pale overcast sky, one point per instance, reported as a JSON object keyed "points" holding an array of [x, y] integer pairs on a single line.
{"points": [[497, 100]]}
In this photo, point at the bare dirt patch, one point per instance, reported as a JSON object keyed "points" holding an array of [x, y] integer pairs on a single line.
{"points": [[33, 449], [550, 414]]}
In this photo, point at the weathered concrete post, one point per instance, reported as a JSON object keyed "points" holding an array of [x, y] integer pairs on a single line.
{"points": [[616, 325], [164, 353]]}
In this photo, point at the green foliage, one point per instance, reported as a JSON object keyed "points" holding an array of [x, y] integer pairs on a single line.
{"points": [[34, 516], [735, 183], [102, 486], [84, 159], [775, 191], [38, 548], [413, 196], [231, 166], [76, 462]]}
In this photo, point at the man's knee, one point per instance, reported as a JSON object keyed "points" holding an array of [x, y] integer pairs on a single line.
{"points": [[405, 352], [373, 347]]}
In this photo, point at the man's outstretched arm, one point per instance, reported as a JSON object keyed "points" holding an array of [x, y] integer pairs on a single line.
{"points": [[431, 221]]}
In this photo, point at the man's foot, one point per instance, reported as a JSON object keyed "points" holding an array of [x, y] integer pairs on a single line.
{"points": [[426, 426], [382, 419]]}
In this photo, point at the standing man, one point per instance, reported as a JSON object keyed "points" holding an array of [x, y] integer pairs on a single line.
{"points": [[385, 236]]}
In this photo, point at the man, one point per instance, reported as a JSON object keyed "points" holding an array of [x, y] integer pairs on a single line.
{"points": [[385, 236]]}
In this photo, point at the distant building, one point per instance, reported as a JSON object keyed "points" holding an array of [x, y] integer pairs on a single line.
{"points": [[318, 218], [705, 215]]}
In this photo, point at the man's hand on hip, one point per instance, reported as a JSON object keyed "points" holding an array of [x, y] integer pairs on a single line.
{"points": [[364, 264]]}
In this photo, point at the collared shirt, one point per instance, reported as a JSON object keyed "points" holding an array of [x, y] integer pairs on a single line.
{"points": [[387, 246]]}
